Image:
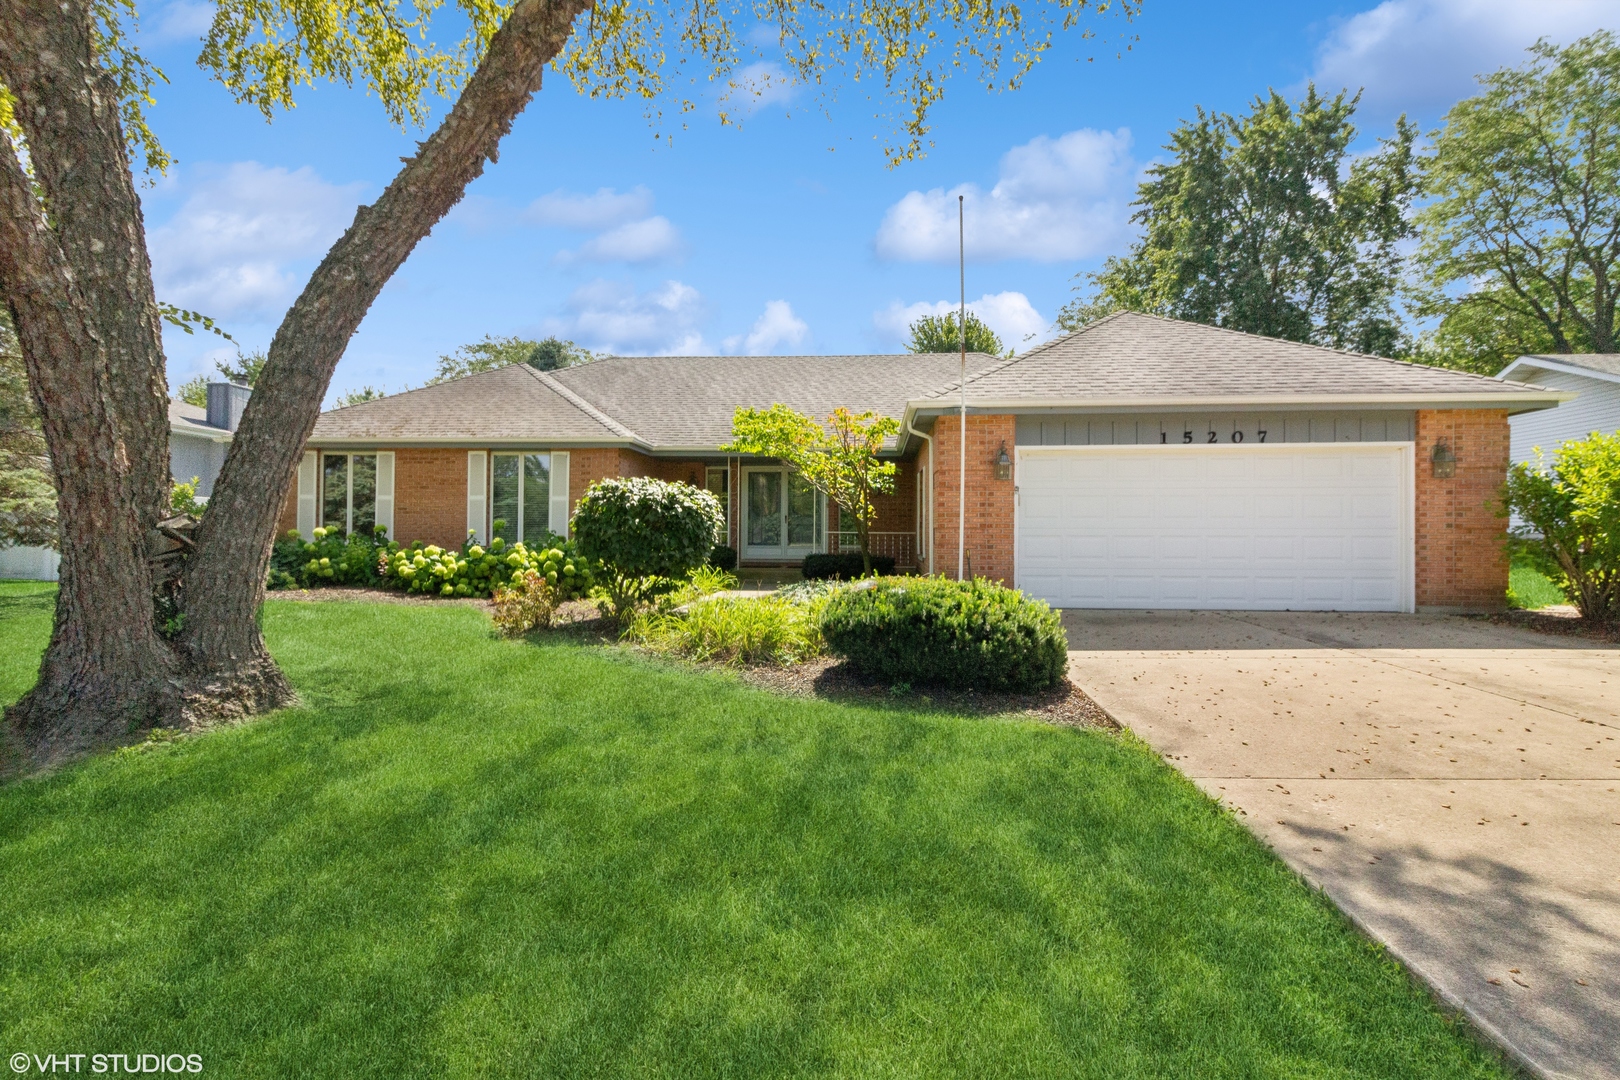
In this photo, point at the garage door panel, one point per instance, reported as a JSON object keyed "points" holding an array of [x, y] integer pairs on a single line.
{"points": [[1322, 527]]}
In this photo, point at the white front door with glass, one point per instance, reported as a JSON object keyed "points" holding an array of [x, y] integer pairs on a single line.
{"points": [[783, 516]]}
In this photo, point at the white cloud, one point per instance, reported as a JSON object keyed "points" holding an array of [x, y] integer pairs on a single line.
{"points": [[1061, 198], [1420, 56], [180, 20], [230, 249], [601, 210], [755, 87], [633, 242], [776, 326], [612, 317], [1009, 314]]}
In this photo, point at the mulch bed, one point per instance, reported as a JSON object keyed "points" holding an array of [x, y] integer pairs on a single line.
{"points": [[1561, 619], [836, 680]]}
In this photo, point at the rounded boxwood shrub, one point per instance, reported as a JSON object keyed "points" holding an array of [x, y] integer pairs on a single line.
{"points": [[648, 528], [959, 634]]}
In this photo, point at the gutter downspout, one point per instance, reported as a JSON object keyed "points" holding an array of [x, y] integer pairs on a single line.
{"points": [[928, 440]]}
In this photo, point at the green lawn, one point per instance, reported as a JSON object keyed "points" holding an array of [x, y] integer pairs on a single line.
{"points": [[1530, 588], [471, 857]]}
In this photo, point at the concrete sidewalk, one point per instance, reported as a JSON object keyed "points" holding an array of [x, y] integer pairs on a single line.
{"points": [[1453, 785]]}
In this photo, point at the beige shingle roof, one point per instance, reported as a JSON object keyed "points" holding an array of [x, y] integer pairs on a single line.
{"points": [[510, 404], [187, 419], [1136, 357], [688, 401]]}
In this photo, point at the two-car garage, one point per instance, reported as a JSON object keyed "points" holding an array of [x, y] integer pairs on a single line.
{"points": [[1286, 526]]}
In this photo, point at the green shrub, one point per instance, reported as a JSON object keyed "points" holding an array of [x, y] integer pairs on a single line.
{"points": [[527, 602], [476, 570], [846, 566], [183, 498], [648, 534], [331, 558], [1570, 510], [735, 630], [961, 634], [723, 557]]}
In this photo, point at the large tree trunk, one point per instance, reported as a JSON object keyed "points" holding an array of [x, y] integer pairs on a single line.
{"points": [[79, 288], [224, 582], [78, 284]]}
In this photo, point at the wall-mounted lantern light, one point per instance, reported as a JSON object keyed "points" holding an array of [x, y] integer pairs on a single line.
{"points": [[1442, 461], [1003, 464]]}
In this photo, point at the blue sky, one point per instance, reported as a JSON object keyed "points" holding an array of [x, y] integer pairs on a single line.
{"points": [[786, 235]]}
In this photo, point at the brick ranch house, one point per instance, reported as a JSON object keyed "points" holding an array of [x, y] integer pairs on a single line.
{"points": [[1138, 463]]}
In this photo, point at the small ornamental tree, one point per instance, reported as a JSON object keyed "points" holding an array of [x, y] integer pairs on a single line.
{"points": [[650, 534], [840, 460], [1570, 510]]}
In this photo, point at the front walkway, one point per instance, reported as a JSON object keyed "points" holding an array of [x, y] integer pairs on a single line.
{"points": [[1450, 783]]}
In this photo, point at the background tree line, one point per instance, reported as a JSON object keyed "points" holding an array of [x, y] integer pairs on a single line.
{"points": [[1499, 237]]}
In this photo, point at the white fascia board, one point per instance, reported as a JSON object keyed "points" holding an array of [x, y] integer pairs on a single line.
{"points": [[207, 435], [463, 442], [1519, 402], [1542, 363]]}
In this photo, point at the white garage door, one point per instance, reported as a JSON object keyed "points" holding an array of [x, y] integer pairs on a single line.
{"points": [[1312, 527]]}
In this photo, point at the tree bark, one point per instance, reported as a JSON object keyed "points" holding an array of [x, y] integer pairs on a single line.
{"points": [[77, 280], [78, 285], [224, 581]]}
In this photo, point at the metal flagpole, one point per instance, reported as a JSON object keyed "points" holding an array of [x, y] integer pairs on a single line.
{"points": [[961, 446]]}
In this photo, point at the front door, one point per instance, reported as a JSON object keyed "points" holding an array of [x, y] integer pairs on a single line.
{"points": [[783, 516]]}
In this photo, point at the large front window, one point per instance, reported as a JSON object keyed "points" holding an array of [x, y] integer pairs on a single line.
{"points": [[349, 492], [785, 516], [520, 496]]}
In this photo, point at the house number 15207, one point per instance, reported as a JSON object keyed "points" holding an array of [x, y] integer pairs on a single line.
{"points": [[1187, 436]]}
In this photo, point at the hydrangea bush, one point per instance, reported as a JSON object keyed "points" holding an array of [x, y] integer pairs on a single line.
{"points": [[477, 570]]}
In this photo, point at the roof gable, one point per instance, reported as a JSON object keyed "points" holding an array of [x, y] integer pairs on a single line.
{"points": [[1134, 357], [1602, 366]]}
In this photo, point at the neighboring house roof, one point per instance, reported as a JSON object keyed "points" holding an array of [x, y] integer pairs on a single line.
{"points": [[1605, 366], [192, 420], [687, 402], [508, 405], [1143, 361]]}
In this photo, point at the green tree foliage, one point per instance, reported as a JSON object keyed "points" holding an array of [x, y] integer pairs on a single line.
{"points": [[27, 496], [1570, 509], [1266, 223], [941, 333], [246, 370], [1520, 247], [355, 397], [498, 352], [839, 459], [649, 534], [194, 391]]}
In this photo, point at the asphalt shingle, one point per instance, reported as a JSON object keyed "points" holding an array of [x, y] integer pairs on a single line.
{"points": [[1133, 356]]}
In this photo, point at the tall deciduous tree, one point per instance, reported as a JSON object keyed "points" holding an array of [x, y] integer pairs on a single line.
{"points": [[1520, 246], [840, 459], [498, 352], [76, 276], [1266, 223], [941, 334]]}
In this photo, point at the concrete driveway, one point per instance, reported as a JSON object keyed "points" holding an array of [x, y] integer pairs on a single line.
{"points": [[1453, 785]]}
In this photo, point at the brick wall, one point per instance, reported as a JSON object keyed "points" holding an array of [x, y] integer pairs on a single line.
{"points": [[989, 529], [1460, 560], [430, 496]]}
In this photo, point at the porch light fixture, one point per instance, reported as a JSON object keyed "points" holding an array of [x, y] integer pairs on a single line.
{"points": [[1003, 464], [1443, 461]]}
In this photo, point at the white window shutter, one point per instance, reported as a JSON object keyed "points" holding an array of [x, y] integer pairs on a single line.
{"points": [[559, 493], [477, 493], [306, 496], [385, 491]]}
